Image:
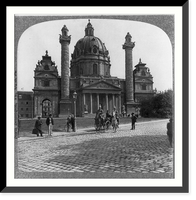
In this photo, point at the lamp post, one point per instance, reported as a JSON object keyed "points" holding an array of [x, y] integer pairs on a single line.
{"points": [[74, 99]]}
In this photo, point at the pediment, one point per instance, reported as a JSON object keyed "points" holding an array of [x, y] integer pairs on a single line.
{"points": [[102, 85]]}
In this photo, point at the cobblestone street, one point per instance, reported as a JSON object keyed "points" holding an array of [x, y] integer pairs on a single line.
{"points": [[145, 150]]}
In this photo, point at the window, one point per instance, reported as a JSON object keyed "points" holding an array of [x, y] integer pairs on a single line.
{"points": [[144, 87], [27, 102], [46, 67], [143, 73], [21, 109], [94, 50], [81, 71], [20, 96], [27, 109], [27, 115], [46, 83]]}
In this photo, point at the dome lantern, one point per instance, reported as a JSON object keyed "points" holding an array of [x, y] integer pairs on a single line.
{"points": [[89, 30]]}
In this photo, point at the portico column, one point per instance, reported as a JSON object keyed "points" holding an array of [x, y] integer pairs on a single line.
{"points": [[119, 101], [84, 99], [113, 100], [91, 102], [97, 101], [106, 101]]}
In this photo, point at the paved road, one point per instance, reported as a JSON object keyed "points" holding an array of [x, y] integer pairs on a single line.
{"points": [[143, 151]]}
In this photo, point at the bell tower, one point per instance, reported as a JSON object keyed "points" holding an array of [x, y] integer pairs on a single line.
{"points": [[65, 103]]}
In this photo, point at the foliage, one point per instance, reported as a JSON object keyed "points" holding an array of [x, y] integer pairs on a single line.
{"points": [[159, 105]]}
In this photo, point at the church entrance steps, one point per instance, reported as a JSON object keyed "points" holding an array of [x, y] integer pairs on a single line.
{"points": [[89, 115]]}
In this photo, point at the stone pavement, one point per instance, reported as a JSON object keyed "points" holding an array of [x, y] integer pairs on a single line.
{"points": [[144, 152]]}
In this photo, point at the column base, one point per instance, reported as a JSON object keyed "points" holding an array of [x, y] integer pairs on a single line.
{"points": [[65, 108], [131, 107]]}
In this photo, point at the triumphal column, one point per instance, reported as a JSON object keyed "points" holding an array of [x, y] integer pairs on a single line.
{"points": [[128, 46], [65, 103]]}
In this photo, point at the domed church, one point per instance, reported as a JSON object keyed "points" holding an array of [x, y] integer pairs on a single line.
{"points": [[88, 74]]}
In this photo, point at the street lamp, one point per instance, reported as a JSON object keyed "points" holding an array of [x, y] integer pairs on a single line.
{"points": [[74, 98]]}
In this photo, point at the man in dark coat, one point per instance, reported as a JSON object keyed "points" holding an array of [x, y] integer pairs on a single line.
{"points": [[169, 132], [50, 123], [133, 120], [38, 126]]}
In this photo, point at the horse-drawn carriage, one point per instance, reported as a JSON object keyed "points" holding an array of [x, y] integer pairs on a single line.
{"points": [[104, 123]]}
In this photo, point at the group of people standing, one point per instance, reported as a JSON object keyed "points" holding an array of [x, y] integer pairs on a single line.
{"points": [[70, 120], [38, 126], [114, 116]]}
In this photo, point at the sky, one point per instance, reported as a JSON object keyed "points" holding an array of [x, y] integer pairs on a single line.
{"points": [[152, 45]]}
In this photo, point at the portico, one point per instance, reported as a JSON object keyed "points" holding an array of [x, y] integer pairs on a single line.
{"points": [[101, 93]]}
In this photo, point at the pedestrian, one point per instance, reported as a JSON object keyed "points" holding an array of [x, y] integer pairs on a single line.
{"points": [[50, 123], [72, 122], [133, 120], [169, 132], [38, 126]]}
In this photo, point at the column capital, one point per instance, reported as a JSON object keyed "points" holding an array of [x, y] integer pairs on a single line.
{"points": [[64, 39], [129, 45]]}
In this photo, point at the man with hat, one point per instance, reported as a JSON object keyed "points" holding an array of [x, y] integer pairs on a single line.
{"points": [[133, 120], [38, 126]]}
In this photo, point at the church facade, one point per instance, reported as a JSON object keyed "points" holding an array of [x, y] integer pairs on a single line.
{"points": [[88, 73]]}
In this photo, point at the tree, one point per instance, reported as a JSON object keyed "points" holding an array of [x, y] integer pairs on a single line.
{"points": [[158, 106]]}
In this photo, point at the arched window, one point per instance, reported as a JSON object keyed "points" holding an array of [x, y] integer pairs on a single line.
{"points": [[46, 108], [143, 73], [94, 50]]}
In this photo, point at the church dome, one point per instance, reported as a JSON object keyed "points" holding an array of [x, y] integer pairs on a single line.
{"points": [[87, 50], [90, 45]]}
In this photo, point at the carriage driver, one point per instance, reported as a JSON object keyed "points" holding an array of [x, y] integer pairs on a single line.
{"points": [[99, 113]]}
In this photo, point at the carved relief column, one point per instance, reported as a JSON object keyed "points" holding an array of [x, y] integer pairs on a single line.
{"points": [[65, 103], [128, 46]]}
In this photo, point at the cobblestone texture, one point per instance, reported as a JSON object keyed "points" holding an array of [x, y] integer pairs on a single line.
{"points": [[144, 150]]}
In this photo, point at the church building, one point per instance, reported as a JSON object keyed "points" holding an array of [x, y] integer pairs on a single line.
{"points": [[88, 73]]}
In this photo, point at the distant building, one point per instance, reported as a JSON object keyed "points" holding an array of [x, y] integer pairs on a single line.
{"points": [[88, 73], [25, 104], [143, 82]]}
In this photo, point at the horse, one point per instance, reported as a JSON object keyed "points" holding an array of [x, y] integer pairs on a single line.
{"points": [[108, 122]]}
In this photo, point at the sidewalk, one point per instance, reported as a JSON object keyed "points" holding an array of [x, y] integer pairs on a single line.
{"points": [[78, 132]]}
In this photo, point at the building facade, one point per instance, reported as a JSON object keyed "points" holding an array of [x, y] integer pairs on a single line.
{"points": [[25, 104], [88, 73], [143, 82], [46, 88]]}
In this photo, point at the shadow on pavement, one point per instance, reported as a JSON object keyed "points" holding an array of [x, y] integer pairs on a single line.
{"points": [[137, 154]]}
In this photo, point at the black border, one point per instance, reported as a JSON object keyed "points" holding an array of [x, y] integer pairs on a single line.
{"points": [[185, 139]]}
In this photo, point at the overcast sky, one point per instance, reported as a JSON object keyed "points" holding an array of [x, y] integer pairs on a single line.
{"points": [[152, 45]]}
